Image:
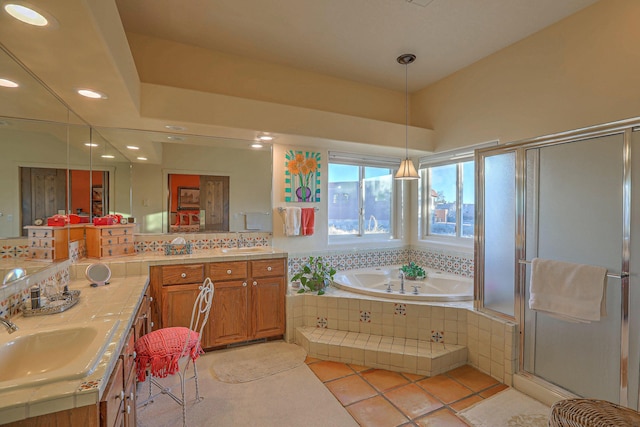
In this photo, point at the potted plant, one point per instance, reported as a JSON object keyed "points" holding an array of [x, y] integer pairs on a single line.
{"points": [[315, 276], [413, 271]]}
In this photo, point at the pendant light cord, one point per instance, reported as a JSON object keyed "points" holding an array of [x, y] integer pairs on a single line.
{"points": [[406, 110]]}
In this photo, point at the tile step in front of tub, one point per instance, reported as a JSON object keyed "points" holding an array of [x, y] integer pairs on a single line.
{"points": [[376, 351]]}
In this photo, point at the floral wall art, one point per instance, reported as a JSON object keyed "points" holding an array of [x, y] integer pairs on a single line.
{"points": [[302, 176]]}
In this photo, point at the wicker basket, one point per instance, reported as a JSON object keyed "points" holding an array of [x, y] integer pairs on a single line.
{"points": [[591, 413]]}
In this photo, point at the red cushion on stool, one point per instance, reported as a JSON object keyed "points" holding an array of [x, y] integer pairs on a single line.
{"points": [[162, 349]]}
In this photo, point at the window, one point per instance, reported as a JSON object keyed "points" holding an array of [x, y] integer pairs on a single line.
{"points": [[360, 196], [448, 192]]}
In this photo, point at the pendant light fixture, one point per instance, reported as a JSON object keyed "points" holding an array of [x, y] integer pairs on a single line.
{"points": [[407, 170]]}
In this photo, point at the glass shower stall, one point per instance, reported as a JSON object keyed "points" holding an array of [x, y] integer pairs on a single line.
{"points": [[568, 197]]}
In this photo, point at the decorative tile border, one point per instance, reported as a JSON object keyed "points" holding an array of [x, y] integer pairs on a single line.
{"points": [[447, 261]]}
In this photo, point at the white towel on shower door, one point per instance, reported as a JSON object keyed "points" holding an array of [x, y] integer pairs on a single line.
{"points": [[572, 292], [292, 216]]}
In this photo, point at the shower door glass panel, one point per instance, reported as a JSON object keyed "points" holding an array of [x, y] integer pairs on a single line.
{"points": [[500, 231], [574, 214]]}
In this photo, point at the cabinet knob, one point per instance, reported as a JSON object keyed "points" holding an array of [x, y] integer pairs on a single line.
{"points": [[183, 275], [269, 268], [46, 234], [150, 299], [255, 283], [121, 395], [152, 324], [244, 283], [128, 409], [228, 271], [110, 232]]}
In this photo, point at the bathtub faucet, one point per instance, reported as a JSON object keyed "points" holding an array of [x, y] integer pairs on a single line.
{"points": [[401, 276]]}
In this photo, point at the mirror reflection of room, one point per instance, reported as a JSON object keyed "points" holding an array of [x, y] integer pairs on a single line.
{"points": [[198, 203]]}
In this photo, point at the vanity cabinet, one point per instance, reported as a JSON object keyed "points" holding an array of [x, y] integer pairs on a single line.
{"points": [[229, 318], [248, 299], [267, 297], [110, 240], [118, 404]]}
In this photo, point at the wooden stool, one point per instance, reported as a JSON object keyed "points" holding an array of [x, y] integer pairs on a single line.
{"points": [[591, 413]]}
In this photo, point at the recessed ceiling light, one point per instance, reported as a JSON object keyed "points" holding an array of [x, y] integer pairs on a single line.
{"points": [[90, 144], [27, 14], [141, 158], [108, 156], [265, 138], [175, 138], [8, 83], [256, 145], [174, 127], [132, 147], [90, 93]]}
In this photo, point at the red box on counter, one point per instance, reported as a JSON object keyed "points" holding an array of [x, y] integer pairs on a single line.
{"points": [[57, 221], [105, 220]]}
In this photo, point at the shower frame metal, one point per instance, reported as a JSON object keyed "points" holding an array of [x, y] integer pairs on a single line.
{"points": [[622, 127]]}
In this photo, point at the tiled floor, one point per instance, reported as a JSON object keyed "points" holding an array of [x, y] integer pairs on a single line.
{"points": [[376, 397]]}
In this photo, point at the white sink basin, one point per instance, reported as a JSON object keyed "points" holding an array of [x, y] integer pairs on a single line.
{"points": [[32, 358], [249, 250]]}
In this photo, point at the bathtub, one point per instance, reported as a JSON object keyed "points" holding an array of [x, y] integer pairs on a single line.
{"points": [[375, 281]]}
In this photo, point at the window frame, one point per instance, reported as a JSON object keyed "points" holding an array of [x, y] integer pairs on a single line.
{"points": [[362, 162], [457, 157]]}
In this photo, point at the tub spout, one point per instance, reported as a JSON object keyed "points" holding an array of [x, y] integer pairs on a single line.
{"points": [[11, 327]]}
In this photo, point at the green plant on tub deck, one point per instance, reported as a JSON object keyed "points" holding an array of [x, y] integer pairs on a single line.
{"points": [[315, 276], [413, 271]]}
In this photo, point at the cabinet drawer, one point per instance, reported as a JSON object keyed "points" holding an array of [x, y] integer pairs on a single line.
{"points": [[41, 243], [117, 250], [228, 270], [40, 233], [116, 231], [267, 268], [177, 274], [41, 253]]}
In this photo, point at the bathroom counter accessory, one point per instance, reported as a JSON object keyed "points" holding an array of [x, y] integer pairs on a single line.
{"points": [[55, 304]]}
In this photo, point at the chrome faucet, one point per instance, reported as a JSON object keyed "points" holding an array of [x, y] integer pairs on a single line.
{"points": [[239, 240], [401, 276], [11, 327]]}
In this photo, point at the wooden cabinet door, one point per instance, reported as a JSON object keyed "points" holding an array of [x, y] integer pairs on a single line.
{"points": [[267, 307], [228, 321], [177, 304]]}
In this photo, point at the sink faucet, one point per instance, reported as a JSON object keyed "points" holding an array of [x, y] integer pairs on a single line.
{"points": [[239, 240], [401, 276], [11, 327]]}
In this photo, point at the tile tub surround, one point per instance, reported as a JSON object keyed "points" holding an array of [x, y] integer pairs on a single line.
{"points": [[446, 261], [386, 333], [117, 301]]}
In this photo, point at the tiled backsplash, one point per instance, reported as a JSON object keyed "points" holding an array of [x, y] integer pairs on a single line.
{"points": [[16, 293], [446, 261]]}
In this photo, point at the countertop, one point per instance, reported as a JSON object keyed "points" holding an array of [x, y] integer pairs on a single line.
{"points": [[117, 301]]}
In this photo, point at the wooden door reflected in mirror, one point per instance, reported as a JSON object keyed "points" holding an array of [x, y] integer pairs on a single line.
{"points": [[198, 203]]}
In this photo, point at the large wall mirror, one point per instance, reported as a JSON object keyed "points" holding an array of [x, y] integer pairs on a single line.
{"points": [[194, 183], [53, 162]]}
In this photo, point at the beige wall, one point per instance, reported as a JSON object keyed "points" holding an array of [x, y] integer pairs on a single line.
{"points": [[168, 63], [581, 71]]}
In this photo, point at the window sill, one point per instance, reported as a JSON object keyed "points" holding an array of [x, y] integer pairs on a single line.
{"points": [[364, 241], [449, 243]]}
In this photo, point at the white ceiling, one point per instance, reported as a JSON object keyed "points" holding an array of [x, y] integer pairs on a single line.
{"points": [[352, 39]]}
